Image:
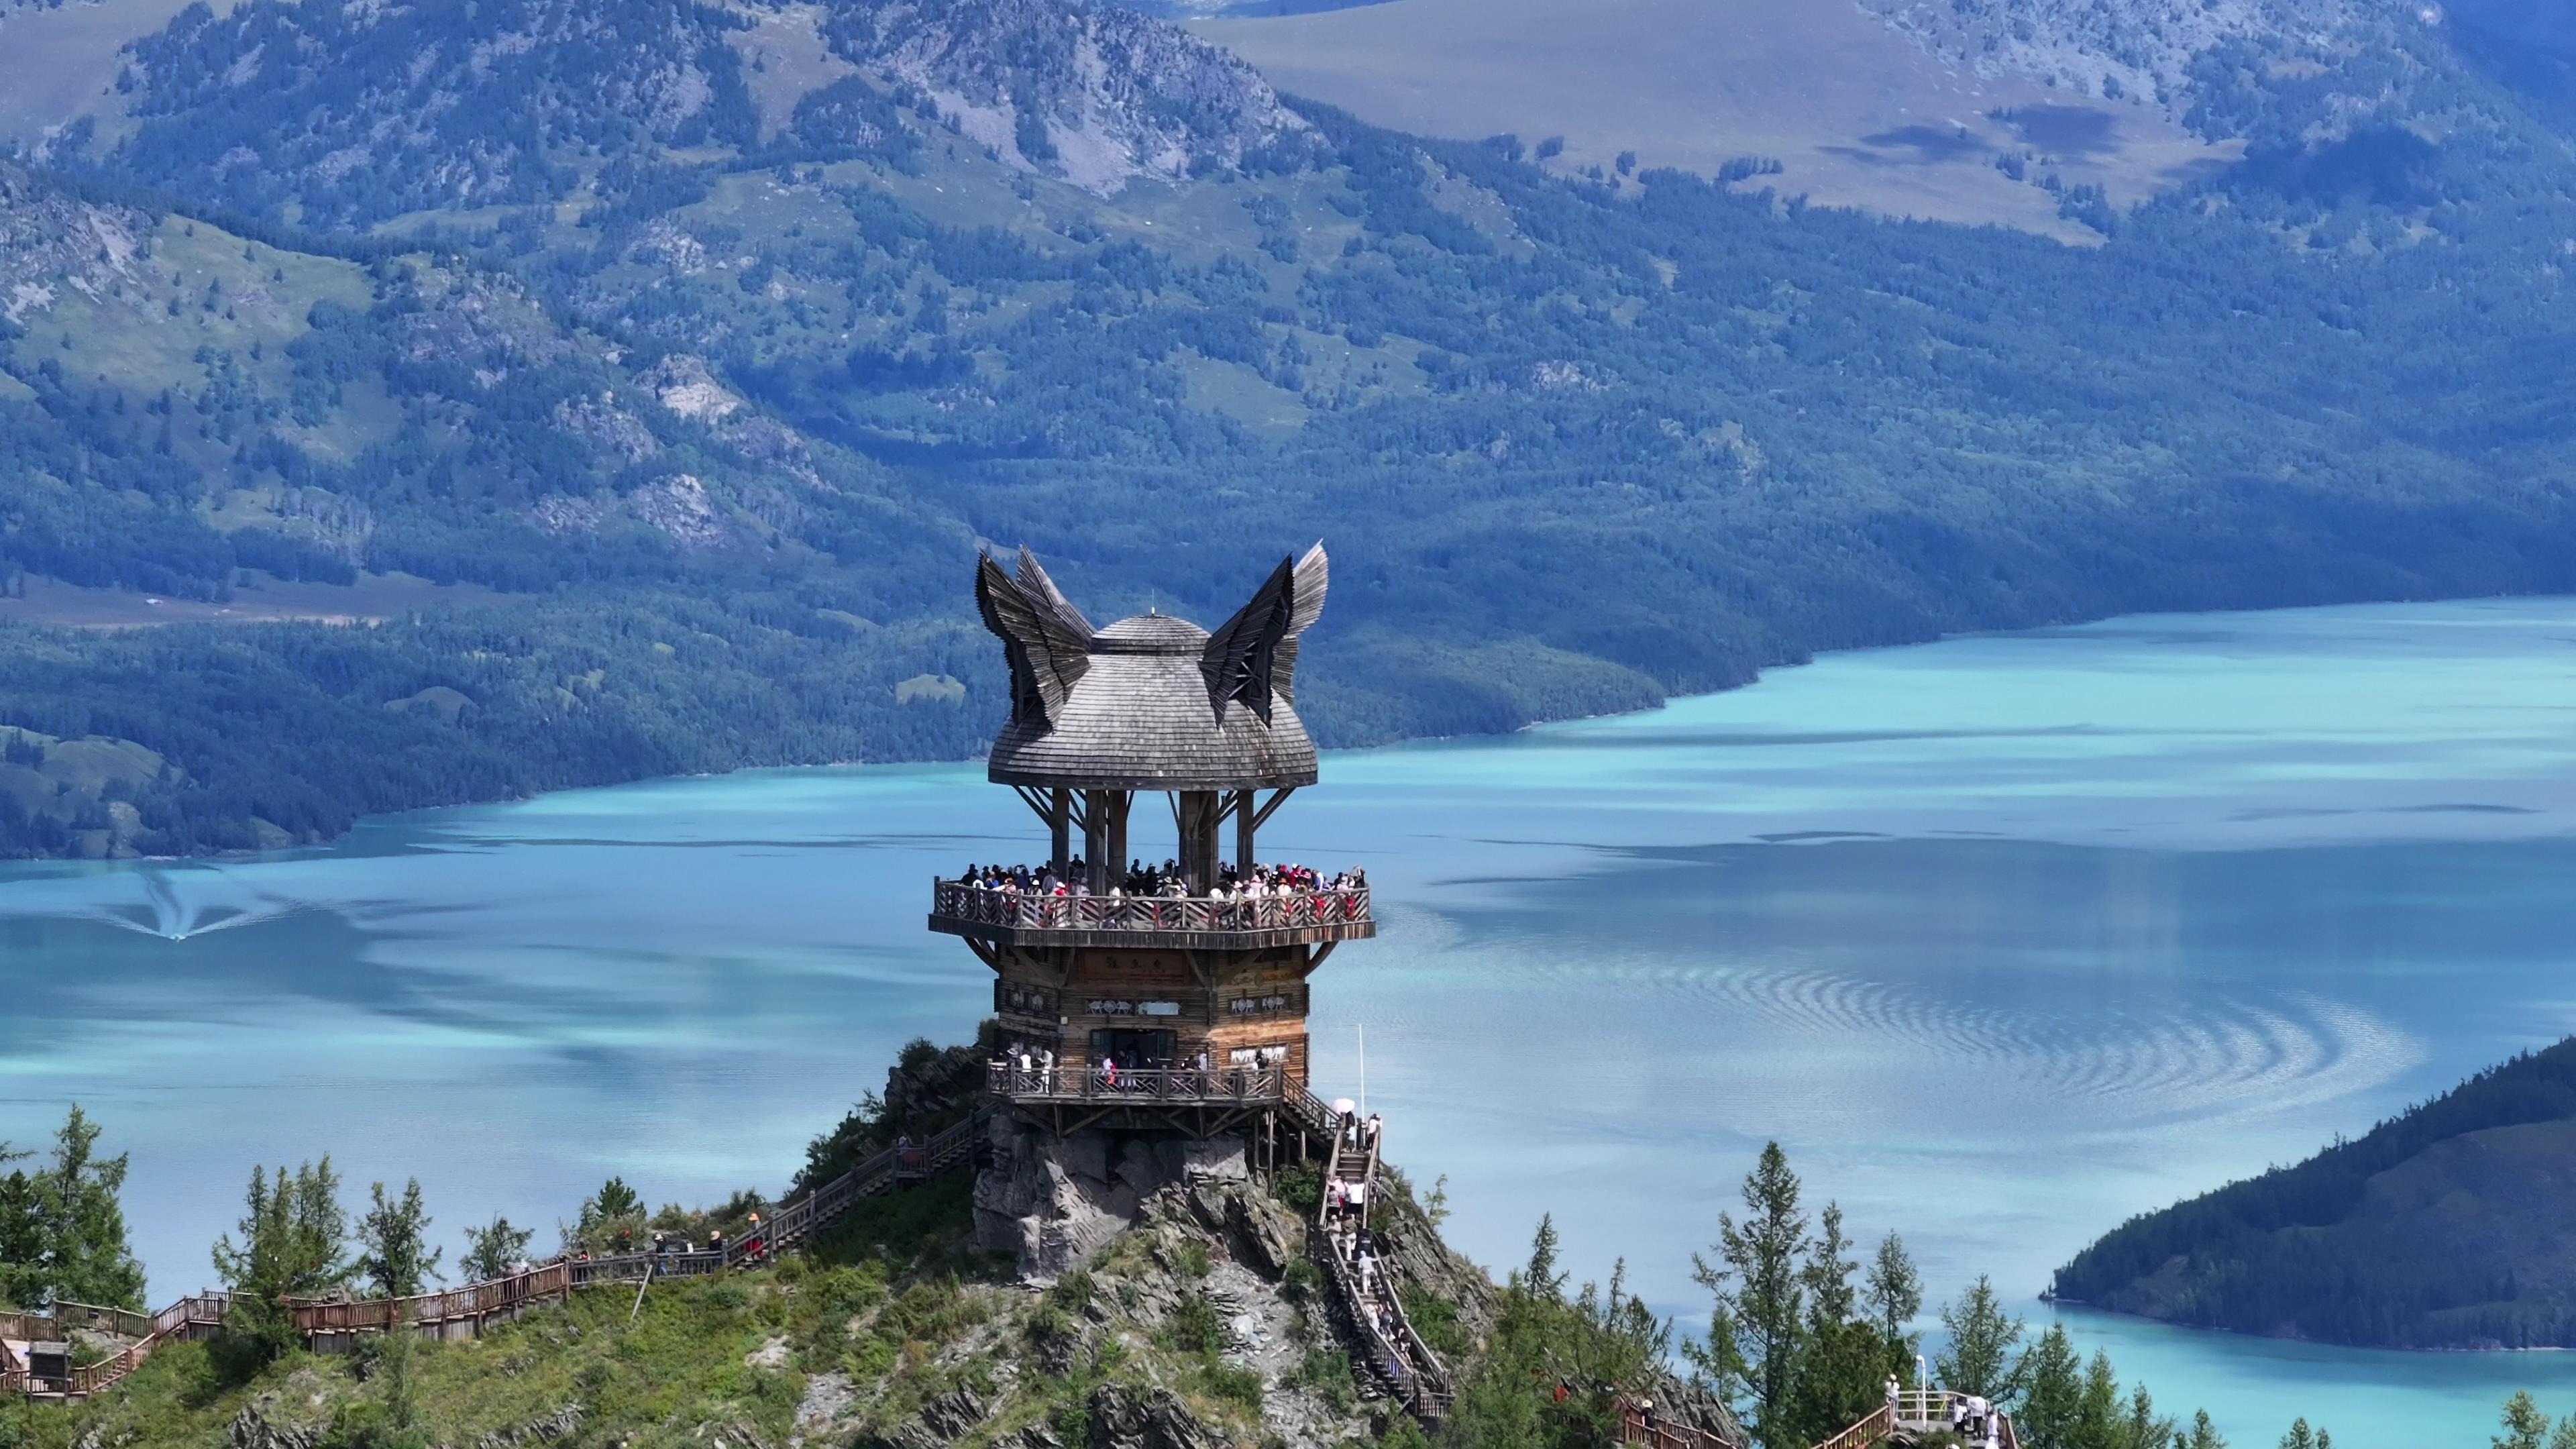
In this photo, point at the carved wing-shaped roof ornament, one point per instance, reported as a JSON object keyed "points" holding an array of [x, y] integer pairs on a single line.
{"points": [[1254, 654], [1034, 582], [1046, 639], [1313, 576]]}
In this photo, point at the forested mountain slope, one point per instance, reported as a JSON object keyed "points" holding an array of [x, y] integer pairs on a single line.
{"points": [[2444, 1227], [715, 340]]}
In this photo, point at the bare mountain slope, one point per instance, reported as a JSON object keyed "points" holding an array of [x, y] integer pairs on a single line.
{"points": [[1855, 113]]}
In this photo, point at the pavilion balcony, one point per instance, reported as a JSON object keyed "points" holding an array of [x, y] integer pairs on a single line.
{"points": [[1027, 918], [1218, 1085]]}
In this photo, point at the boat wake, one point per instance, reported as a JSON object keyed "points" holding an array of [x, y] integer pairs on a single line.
{"points": [[173, 914]]}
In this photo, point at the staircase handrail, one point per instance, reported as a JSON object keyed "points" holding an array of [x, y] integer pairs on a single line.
{"points": [[1869, 1431]]}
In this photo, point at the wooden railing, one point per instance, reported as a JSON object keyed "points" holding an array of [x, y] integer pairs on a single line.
{"points": [[1639, 1427], [473, 1303], [1915, 1410], [90, 1318], [1867, 1432], [1142, 1084], [973, 905]]}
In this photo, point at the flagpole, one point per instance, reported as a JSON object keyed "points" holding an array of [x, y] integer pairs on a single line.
{"points": [[1363, 1071]]}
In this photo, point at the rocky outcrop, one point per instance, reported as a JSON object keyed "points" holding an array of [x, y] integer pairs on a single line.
{"points": [[1125, 1418], [260, 1426], [551, 1428], [1093, 92], [1055, 1202], [53, 244], [2141, 51]]}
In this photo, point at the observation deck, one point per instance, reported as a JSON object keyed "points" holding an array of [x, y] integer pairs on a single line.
{"points": [[1201, 1103], [1027, 918]]}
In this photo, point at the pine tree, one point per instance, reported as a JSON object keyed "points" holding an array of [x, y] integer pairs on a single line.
{"points": [[1979, 1359], [610, 1220], [2299, 1437], [1760, 1293], [2051, 1378], [294, 1244], [489, 1251], [2145, 1428], [392, 1237], [1895, 1294], [2525, 1427], [62, 1230], [2099, 1424], [1829, 1271], [2204, 1434]]}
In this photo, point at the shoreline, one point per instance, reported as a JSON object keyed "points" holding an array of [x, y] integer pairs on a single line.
{"points": [[2461, 1351], [1668, 701]]}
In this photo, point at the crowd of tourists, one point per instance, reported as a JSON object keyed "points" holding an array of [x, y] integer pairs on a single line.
{"points": [[1145, 879], [1973, 1420], [1031, 1069]]}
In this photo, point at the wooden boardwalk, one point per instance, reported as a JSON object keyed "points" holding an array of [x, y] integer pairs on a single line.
{"points": [[464, 1311]]}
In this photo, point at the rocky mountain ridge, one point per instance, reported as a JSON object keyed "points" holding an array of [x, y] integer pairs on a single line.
{"points": [[2142, 50], [1090, 91]]}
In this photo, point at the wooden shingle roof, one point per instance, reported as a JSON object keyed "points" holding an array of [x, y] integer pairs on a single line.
{"points": [[1151, 702]]}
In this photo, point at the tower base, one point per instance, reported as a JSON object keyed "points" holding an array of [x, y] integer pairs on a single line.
{"points": [[1054, 1201]]}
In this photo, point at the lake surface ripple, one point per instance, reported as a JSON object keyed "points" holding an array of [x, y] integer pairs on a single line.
{"points": [[2004, 938]]}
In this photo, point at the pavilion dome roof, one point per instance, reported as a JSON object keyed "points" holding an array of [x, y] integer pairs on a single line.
{"points": [[1151, 702]]}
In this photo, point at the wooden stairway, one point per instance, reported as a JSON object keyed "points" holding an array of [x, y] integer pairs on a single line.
{"points": [[1406, 1366]]}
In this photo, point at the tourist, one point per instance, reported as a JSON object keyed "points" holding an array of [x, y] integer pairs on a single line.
{"points": [[1375, 1126], [1109, 1073]]}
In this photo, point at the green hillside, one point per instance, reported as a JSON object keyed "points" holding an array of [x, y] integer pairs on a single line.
{"points": [[695, 350], [2443, 1227]]}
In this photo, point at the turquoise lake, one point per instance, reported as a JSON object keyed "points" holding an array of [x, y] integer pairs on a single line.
{"points": [[2004, 938]]}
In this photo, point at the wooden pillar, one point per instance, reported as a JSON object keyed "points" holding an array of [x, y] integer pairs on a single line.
{"points": [[1198, 839], [1060, 826], [1243, 856], [1119, 801], [1095, 839]]}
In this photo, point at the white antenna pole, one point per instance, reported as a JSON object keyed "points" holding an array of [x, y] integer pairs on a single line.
{"points": [[1363, 1070]]}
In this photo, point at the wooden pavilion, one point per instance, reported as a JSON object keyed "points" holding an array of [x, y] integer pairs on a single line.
{"points": [[1181, 1006]]}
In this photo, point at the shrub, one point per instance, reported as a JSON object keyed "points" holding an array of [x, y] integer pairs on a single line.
{"points": [[1196, 1327], [1301, 1280], [1240, 1387], [1299, 1185]]}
